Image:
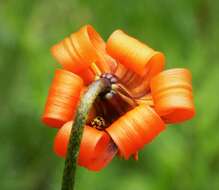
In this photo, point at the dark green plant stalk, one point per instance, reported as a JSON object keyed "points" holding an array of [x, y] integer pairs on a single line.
{"points": [[95, 89]]}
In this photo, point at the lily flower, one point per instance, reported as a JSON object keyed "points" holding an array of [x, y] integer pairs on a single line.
{"points": [[132, 112]]}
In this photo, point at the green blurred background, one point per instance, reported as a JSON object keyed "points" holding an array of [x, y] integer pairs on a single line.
{"points": [[185, 156]]}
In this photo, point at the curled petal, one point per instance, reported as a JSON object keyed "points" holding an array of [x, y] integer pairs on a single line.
{"points": [[96, 149], [91, 48], [172, 94], [66, 55], [135, 129], [132, 53], [62, 99], [84, 47], [138, 63]]}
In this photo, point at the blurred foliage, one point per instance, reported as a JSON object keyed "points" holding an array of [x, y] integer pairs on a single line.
{"points": [[183, 157]]}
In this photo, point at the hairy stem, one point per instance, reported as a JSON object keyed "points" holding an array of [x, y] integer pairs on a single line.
{"points": [[96, 88]]}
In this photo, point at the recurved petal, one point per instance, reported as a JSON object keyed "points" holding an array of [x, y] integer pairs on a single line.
{"points": [[132, 53], [84, 47], [172, 94], [135, 129], [62, 99], [137, 62], [96, 149]]}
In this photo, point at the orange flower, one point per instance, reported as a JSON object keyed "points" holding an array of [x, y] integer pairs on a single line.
{"points": [[128, 116]]}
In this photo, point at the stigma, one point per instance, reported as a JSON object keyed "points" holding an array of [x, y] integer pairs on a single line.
{"points": [[113, 79]]}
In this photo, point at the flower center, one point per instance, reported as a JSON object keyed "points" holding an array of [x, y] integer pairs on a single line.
{"points": [[112, 104]]}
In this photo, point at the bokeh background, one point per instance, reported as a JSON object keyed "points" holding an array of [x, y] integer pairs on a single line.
{"points": [[185, 156]]}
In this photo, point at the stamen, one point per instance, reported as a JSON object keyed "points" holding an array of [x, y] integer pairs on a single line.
{"points": [[95, 69], [100, 108], [147, 99], [114, 102], [129, 100], [123, 90], [112, 99], [135, 156]]}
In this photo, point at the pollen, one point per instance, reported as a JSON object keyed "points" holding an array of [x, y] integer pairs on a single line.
{"points": [[98, 123]]}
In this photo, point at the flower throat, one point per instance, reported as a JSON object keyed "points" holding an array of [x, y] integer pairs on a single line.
{"points": [[111, 104]]}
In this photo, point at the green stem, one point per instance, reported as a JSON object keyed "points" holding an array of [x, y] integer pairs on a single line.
{"points": [[95, 89]]}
